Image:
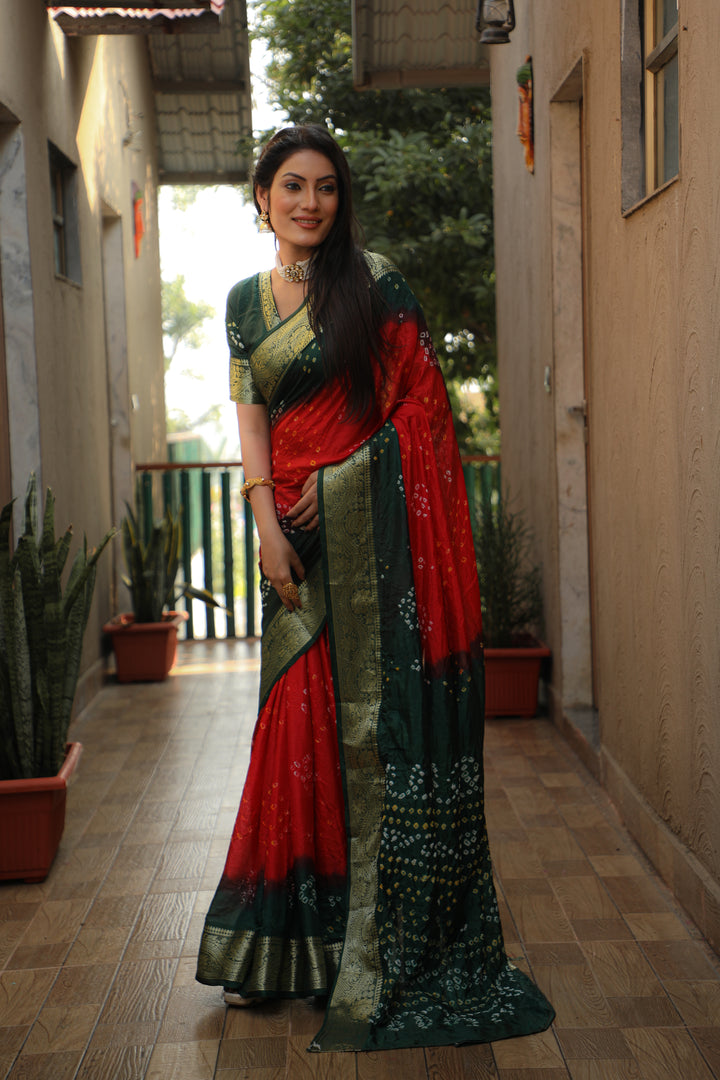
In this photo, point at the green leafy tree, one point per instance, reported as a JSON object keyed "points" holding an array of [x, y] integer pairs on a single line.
{"points": [[182, 319], [421, 164]]}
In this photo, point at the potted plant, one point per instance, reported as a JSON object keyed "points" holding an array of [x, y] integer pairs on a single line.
{"points": [[41, 635], [512, 609], [145, 640]]}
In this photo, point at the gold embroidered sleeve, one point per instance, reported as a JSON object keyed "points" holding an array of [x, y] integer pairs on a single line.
{"points": [[242, 385]]}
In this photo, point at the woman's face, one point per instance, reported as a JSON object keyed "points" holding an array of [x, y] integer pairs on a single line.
{"points": [[303, 203]]}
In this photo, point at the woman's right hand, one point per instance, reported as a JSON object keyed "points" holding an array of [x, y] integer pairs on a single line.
{"points": [[279, 562]]}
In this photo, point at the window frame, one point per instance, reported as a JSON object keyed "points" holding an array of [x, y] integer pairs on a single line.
{"points": [[64, 211], [658, 52]]}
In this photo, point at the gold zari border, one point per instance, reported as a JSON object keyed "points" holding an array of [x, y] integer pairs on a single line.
{"points": [[292, 632], [260, 963], [355, 634]]}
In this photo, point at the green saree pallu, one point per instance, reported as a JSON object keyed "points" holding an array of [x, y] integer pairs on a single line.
{"points": [[359, 865]]}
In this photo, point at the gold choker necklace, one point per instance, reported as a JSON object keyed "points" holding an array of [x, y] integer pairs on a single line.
{"points": [[296, 271]]}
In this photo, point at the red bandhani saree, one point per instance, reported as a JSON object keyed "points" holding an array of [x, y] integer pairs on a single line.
{"points": [[359, 865]]}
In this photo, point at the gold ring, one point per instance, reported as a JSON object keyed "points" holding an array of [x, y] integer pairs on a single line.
{"points": [[291, 591]]}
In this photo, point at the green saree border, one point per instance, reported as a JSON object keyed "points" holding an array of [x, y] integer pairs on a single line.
{"points": [[352, 599]]}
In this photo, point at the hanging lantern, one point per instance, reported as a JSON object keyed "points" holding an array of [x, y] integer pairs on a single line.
{"points": [[495, 20]]}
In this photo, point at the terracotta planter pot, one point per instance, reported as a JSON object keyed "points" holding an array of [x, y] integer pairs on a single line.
{"points": [[33, 819], [144, 652], [511, 679]]}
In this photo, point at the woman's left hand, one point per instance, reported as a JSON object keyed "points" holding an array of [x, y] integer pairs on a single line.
{"points": [[304, 513]]}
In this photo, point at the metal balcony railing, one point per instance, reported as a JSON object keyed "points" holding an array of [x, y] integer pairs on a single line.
{"points": [[220, 544]]}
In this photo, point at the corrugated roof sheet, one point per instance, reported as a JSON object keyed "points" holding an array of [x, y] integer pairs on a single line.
{"points": [[116, 19], [203, 101], [417, 43]]}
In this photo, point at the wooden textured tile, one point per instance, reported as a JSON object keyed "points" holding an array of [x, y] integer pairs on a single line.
{"points": [[575, 996], [56, 921], [635, 894], [192, 1015], [269, 1019], [536, 911], [657, 926], [139, 993], [621, 969], [554, 843], [516, 859], [616, 865], [698, 1002], [259, 1052], [644, 1012], [60, 1066], [601, 929], [533, 1074], [39, 956], [84, 984], [161, 926], [584, 898], [61, 1028], [708, 1040], [23, 993], [95, 945], [382, 1065], [626, 1069], [530, 1052], [142, 1033], [667, 1054], [599, 839], [460, 1062], [593, 1043], [115, 1063], [679, 960], [184, 1061]]}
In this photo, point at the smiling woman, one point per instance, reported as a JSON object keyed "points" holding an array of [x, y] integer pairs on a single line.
{"points": [[359, 867]]}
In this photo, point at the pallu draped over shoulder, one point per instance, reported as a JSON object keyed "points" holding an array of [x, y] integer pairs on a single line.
{"points": [[359, 865]]}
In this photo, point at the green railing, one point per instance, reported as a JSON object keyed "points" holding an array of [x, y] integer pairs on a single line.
{"points": [[220, 545]]}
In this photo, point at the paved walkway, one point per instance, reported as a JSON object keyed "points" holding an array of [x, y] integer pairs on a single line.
{"points": [[97, 962]]}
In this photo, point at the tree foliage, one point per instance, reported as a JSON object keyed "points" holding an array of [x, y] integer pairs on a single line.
{"points": [[421, 165], [182, 319]]}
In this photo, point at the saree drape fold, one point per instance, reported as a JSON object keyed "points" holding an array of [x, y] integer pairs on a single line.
{"points": [[359, 864]]}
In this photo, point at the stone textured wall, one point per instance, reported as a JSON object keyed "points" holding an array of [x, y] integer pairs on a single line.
{"points": [[650, 318]]}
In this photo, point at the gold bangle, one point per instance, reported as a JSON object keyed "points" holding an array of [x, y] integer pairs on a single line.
{"points": [[255, 481]]}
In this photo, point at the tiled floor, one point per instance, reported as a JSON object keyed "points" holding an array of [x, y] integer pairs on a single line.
{"points": [[98, 961]]}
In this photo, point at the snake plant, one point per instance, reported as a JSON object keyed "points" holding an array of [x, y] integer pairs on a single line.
{"points": [[152, 568], [41, 634]]}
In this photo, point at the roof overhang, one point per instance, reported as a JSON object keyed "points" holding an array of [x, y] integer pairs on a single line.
{"points": [[403, 43], [200, 64], [203, 101], [178, 16]]}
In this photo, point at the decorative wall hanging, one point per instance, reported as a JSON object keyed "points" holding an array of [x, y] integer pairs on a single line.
{"points": [[138, 217], [525, 128]]}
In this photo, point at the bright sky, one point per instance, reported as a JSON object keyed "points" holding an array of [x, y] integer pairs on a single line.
{"points": [[213, 244]]}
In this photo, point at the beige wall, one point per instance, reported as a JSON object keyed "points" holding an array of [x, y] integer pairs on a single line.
{"points": [[80, 94], [652, 333]]}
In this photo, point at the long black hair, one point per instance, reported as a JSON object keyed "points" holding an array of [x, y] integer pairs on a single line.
{"points": [[344, 304]]}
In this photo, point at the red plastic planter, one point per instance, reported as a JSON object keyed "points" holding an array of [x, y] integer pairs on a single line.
{"points": [[32, 813], [144, 652], [511, 680]]}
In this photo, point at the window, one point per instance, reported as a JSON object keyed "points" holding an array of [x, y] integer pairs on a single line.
{"points": [[650, 98], [662, 129], [63, 193]]}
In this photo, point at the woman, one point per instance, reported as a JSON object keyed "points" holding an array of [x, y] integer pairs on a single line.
{"points": [[359, 865]]}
